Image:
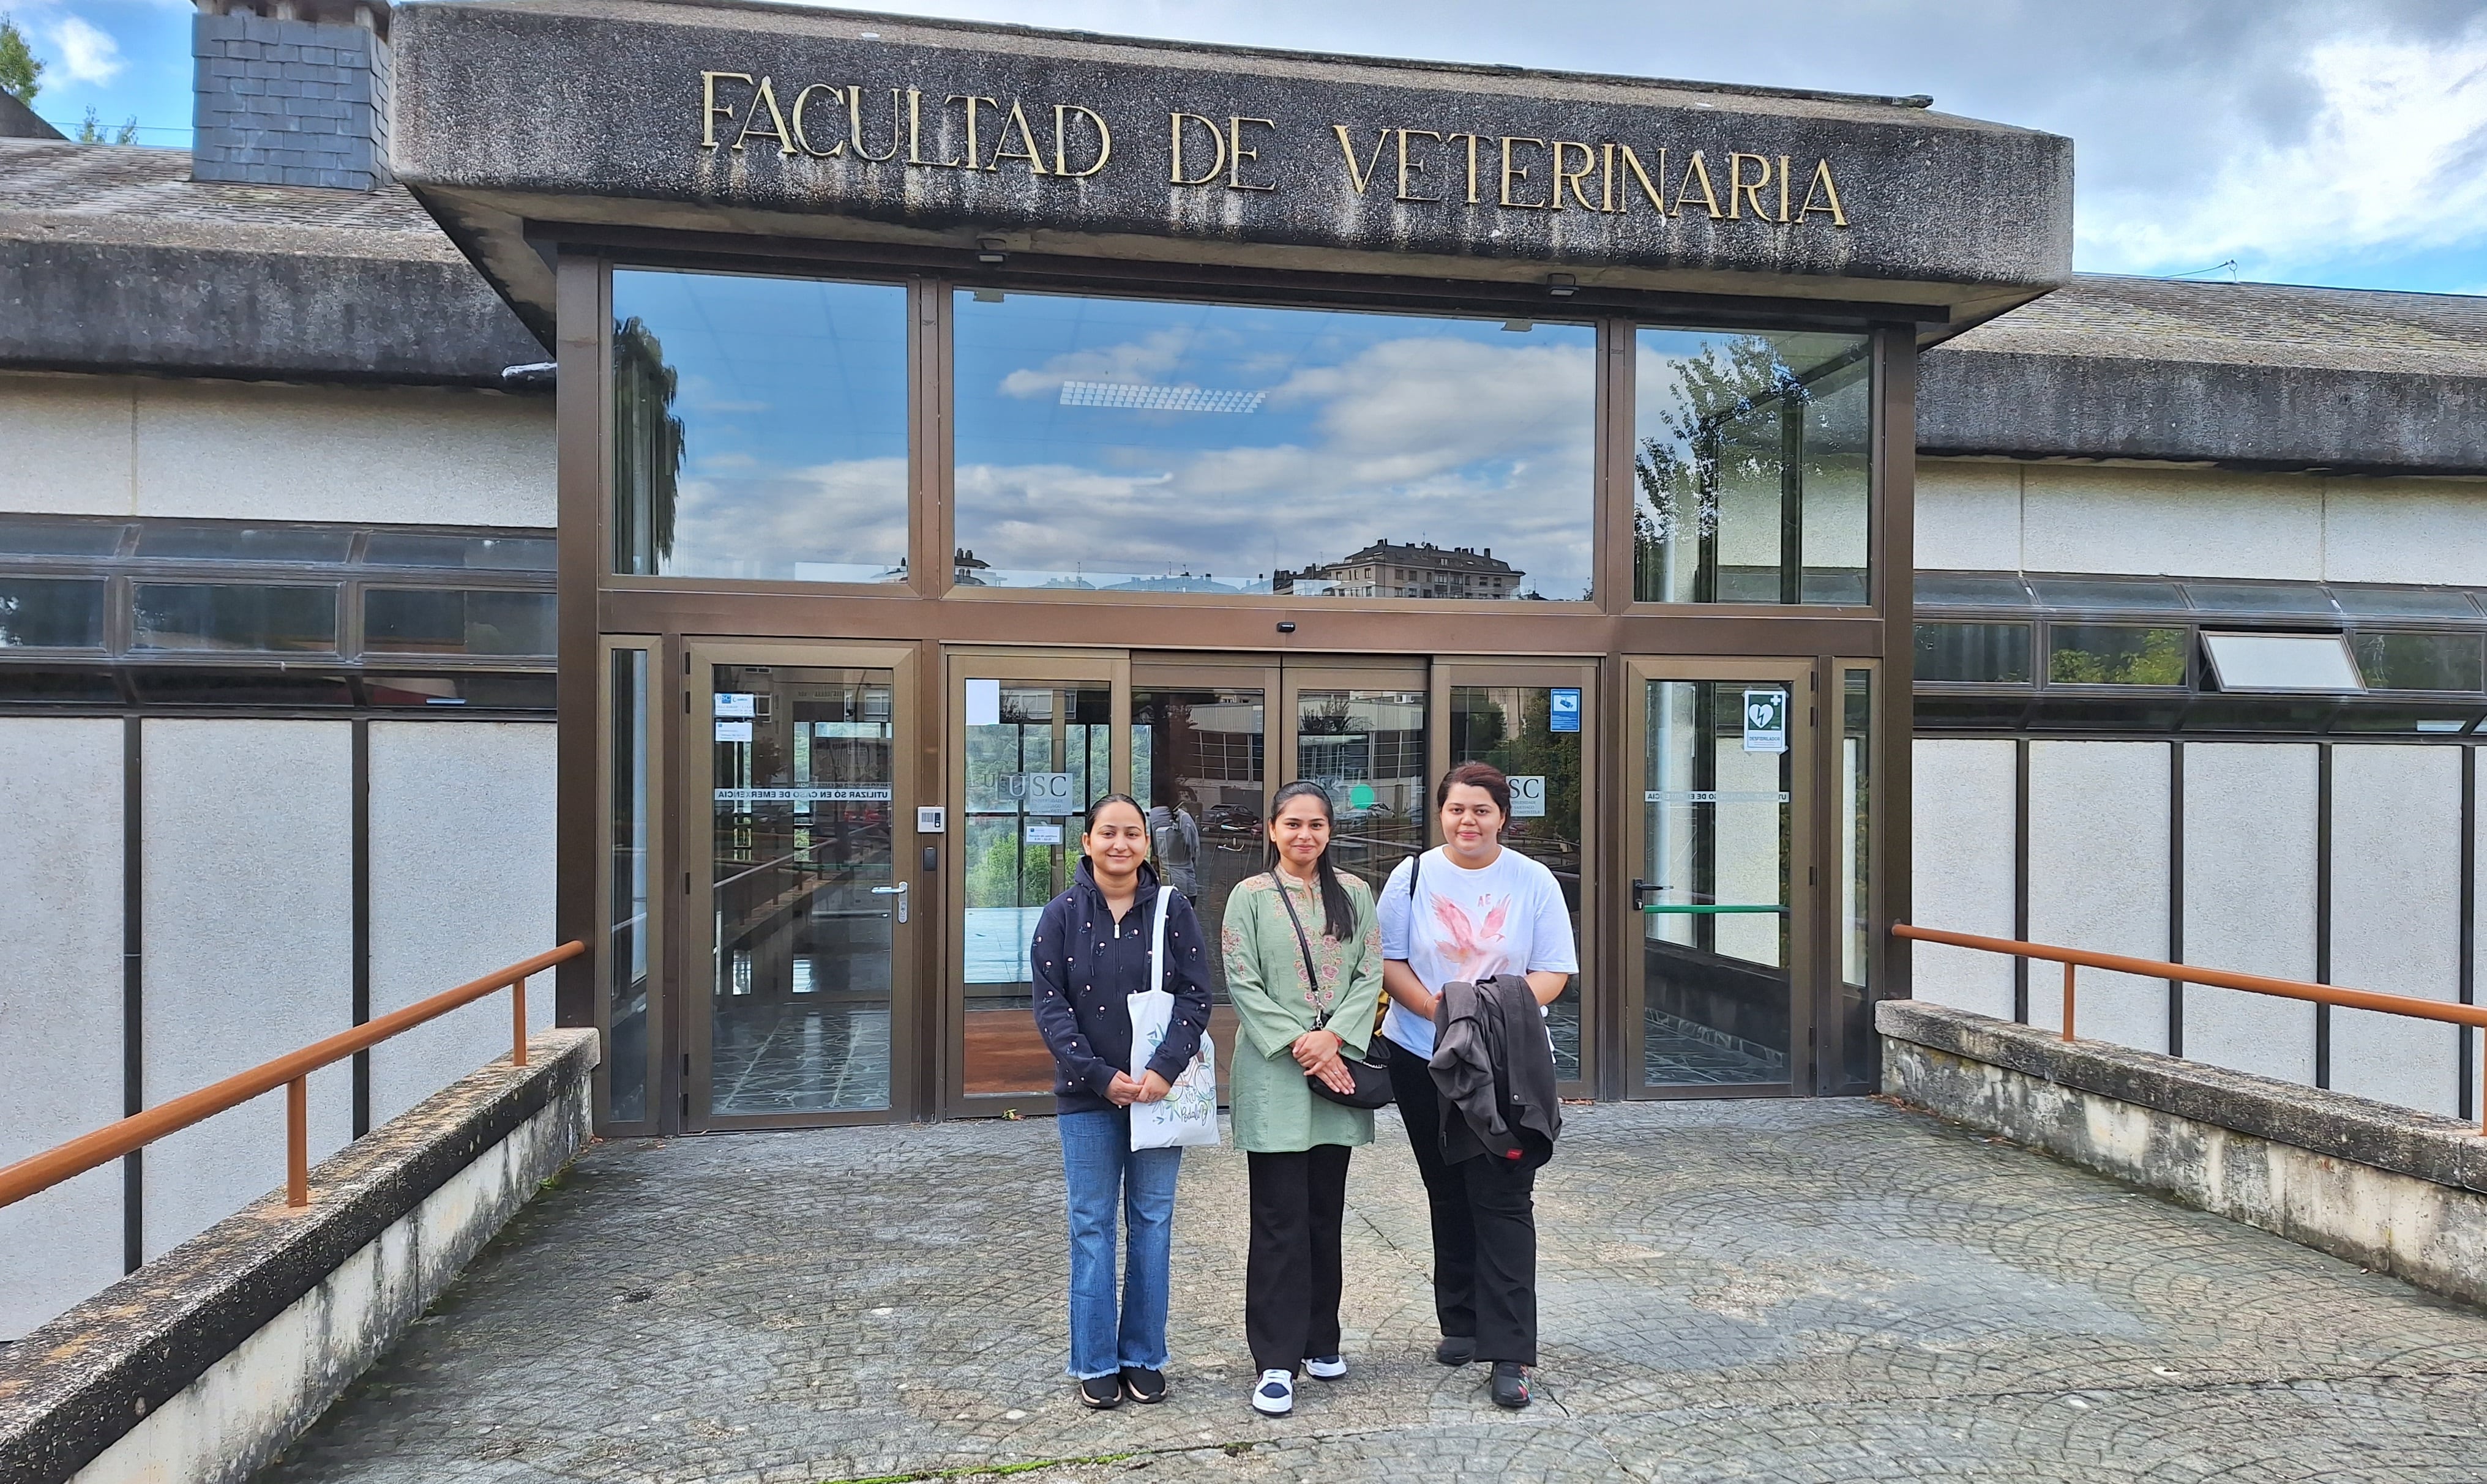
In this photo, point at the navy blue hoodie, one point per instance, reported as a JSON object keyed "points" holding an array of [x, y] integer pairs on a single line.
{"points": [[1084, 964]]}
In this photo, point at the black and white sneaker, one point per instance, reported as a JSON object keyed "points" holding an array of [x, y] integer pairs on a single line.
{"points": [[1144, 1385], [1275, 1396], [1325, 1367], [1105, 1393]]}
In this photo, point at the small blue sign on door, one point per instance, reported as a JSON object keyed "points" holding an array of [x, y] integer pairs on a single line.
{"points": [[1564, 714]]}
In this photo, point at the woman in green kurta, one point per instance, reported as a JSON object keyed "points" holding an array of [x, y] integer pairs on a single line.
{"points": [[1295, 1025]]}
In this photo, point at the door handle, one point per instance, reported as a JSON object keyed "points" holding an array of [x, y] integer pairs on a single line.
{"points": [[899, 892]]}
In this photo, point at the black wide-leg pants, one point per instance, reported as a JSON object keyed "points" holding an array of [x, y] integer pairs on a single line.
{"points": [[1293, 1276], [1485, 1226]]}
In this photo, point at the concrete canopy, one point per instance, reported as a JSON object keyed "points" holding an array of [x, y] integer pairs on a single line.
{"points": [[112, 259], [2245, 376], [723, 116]]}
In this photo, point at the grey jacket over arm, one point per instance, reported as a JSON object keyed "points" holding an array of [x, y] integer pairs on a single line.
{"points": [[1495, 1069]]}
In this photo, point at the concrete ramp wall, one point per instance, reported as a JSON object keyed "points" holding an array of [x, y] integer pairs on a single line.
{"points": [[206, 1362], [2390, 1188]]}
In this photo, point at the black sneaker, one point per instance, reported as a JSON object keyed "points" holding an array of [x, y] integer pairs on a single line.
{"points": [[1456, 1349], [1103, 1392], [1510, 1384], [1143, 1386]]}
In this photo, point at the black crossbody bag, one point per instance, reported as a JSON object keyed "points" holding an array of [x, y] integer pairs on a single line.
{"points": [[1372, 1079]]}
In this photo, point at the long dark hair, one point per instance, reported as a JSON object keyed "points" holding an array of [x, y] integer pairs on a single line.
{"points": [[1338, 912]]}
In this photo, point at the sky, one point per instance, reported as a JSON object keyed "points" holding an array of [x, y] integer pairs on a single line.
{"points": [[2340, 142]]}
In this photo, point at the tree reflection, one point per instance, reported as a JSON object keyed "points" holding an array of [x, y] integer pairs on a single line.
{"points": [[646, 449], [1726, 423]]}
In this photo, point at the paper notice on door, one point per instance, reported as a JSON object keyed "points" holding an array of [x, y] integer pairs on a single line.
{"points": [[1044, 834], [734, 731], [1527, 795], [984, 703]]}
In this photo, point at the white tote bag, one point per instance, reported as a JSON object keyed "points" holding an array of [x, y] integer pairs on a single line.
{"points": [[1187, 1114]]}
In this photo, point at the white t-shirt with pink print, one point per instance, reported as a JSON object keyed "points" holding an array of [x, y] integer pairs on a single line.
{"points": [[1508, 918]]}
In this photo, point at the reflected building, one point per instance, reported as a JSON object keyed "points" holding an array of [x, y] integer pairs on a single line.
{"points": [[1387, 569]]}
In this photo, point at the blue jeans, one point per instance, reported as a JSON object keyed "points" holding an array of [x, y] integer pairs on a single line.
{"points": [[1100, 1171]]}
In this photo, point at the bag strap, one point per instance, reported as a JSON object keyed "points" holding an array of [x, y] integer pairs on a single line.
{"points": [[1312, 975], [1156, 939]]}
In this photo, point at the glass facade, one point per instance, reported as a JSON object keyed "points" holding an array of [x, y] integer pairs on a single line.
{"points": [[758, 428], [1143, 446], [1163, 539], [1752, 463]]}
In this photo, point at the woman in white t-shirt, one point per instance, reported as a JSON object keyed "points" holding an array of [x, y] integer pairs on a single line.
{"points": [[1469, 910]]}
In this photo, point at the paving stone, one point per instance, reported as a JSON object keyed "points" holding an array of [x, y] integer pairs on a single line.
{"points": [[1792, 1291]]}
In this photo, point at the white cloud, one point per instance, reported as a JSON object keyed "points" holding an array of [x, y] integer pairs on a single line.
{"points": [[87, 54], [2394, 155], [1139, 360]]}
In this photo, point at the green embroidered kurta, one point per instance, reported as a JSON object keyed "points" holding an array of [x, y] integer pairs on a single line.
{"points": [[1275, 1113]]}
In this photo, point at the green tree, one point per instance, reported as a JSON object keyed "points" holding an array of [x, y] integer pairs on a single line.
{"points": [[20, 70], [91, 130]]}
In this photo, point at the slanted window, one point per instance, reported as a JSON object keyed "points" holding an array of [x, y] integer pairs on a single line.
{"points": [[2422, 662], [2282, 661], [1996, 654], [2114, 655]]}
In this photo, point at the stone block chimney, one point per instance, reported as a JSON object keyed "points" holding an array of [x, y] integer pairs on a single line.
{"points": [[292, 93]]}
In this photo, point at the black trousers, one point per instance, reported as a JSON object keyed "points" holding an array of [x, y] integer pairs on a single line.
{"points": [[1292, 1277], [1485, 1228]]}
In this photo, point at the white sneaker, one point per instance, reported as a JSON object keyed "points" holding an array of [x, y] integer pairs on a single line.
{"points": [[1275, 1396], [1325, 1367]]}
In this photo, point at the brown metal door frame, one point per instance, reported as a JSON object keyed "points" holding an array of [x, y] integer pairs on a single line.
{"points": [[1803, 869], [1595, 976], [960, 664], [695, 830]]}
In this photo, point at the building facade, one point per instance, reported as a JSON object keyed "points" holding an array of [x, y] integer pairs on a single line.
{"points": [[938, 410], [839, 299]]}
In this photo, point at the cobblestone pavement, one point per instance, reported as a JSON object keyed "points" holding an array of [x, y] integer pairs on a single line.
{"points": [[1804, 1291]]}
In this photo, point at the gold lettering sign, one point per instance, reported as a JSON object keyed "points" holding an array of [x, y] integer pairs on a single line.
{"points": [[1240, 152]]}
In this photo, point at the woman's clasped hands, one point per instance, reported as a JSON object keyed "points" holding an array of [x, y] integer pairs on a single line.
{"points": [[1127, 1089], [1317, 1052]]}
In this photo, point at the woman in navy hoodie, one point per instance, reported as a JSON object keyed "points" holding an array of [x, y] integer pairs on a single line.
{"points": [[1090, 954]]}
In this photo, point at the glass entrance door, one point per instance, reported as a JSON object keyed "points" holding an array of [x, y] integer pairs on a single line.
{"points": [[1360, 731], [1717, 931], [796, 760], [1034, 739], [1536, 722]]}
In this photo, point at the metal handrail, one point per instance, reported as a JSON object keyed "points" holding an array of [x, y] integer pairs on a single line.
{"points": [[292, 1071], [2410, 1005]]}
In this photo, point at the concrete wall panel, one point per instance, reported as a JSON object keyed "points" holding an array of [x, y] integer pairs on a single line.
{"points": [[247, 883], [2405, 530], [2179, 521], [1968, 516], [300, 453], [2396, 918], [462, 883], [1962, 849], [2251, 848], [65, 445], [60, 1002], [2098, 879]]}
